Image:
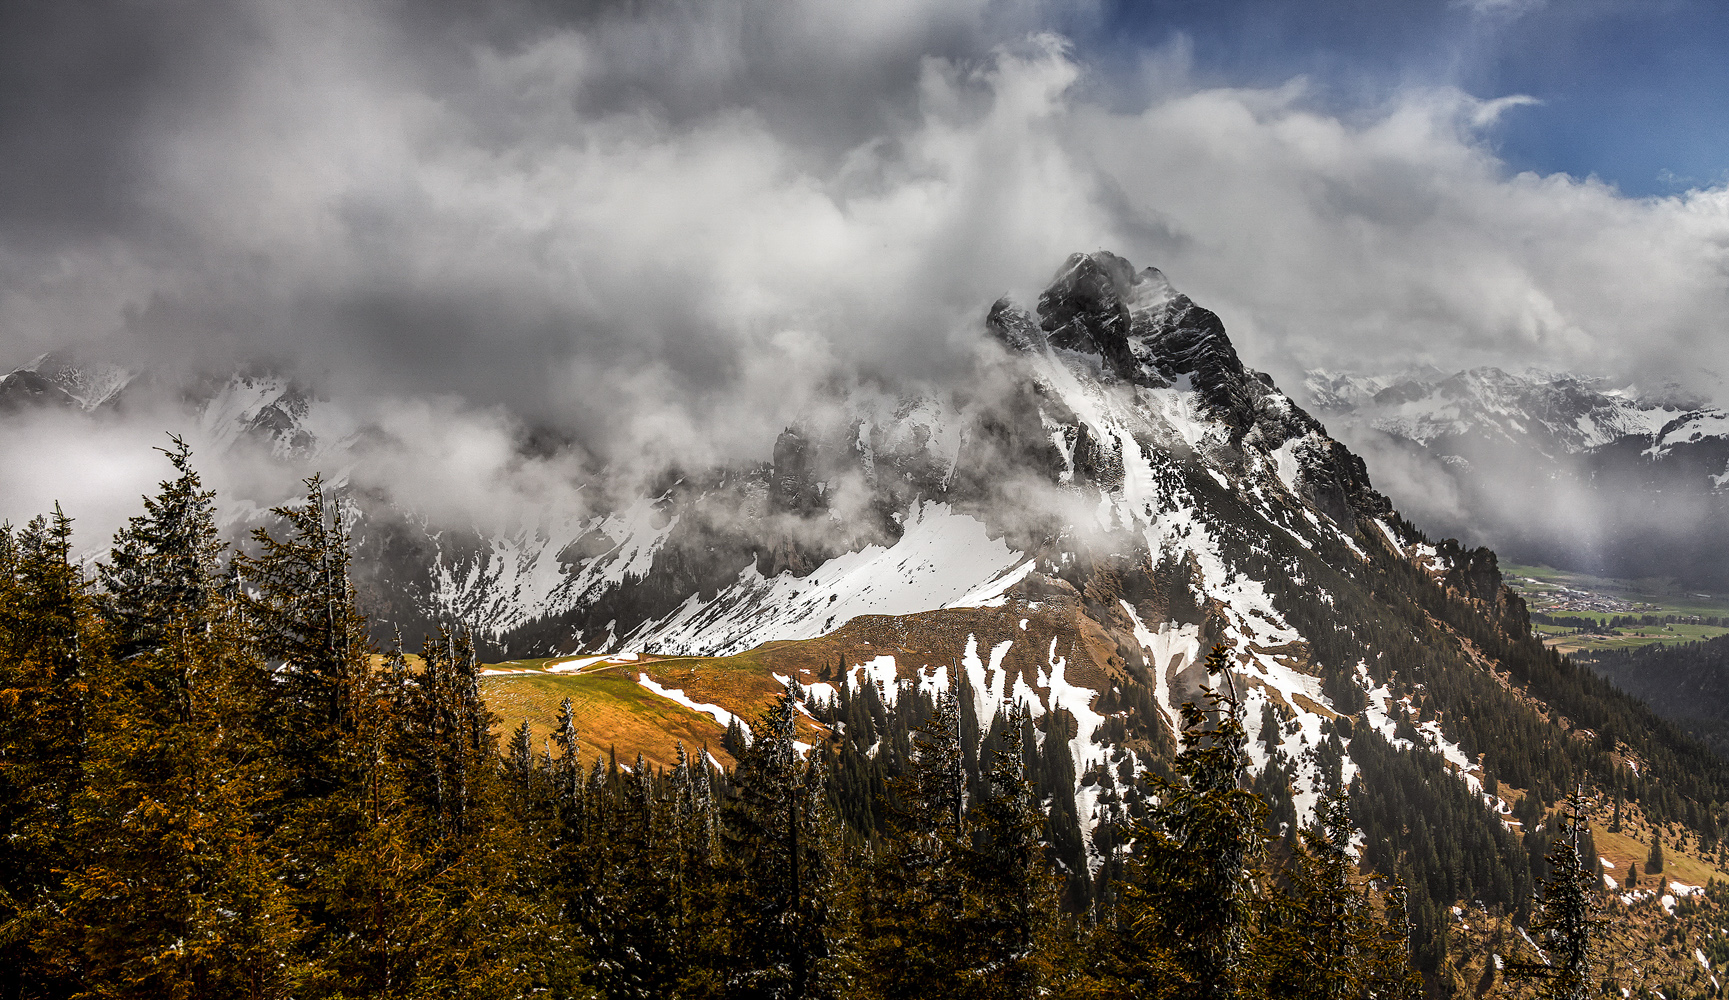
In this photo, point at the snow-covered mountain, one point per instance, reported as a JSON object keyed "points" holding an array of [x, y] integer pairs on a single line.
{"points": [[1549, 411], [57, 380], [1107, 494], [1112, 478], [1547, 466]]}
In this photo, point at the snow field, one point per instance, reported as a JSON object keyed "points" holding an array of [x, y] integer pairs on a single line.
{"points": [[943, 559], [720, 715]]}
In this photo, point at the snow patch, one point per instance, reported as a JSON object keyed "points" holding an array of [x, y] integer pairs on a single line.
{"points": [[720, 715]]}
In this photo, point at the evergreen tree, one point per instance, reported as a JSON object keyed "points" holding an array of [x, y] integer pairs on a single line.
{"points": [[459, 838], [779, 868], [302, 609], [1323, 937], [49, 636], [163, 575], [1392, 975], [1654, 860], [627, 899], [390, 821], [567, 769], [691, 848], [171, 893], [1189, 899], [1567, 921], [1011, 898], [914, 909]]}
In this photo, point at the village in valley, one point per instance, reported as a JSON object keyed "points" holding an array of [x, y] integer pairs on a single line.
{"points": [[1575, 612]]}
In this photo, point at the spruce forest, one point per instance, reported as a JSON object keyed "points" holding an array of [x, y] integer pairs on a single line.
{"points": [[211, 784]]}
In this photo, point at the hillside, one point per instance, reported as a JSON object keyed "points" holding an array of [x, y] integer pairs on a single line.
{"points": [[1682, 680]]}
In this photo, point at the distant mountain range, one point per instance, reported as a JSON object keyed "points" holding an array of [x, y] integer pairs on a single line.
{"points": [[1546, 467]]}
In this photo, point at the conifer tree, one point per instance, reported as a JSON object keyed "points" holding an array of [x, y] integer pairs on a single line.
{"points": [[316, 716], [1567, 921], [914, 913], [162, 576], [627, 902], [49, 636], [1322, 937], [445, 735], [1011, 898], [1391, 973], [567, 769], [1654, 860], [302, 609], [171, 894], [1188, 898], [521, 764], [690, 847], [779, 866]]}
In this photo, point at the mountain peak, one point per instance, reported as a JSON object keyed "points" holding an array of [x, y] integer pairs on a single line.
{"points": [[58, 379]]}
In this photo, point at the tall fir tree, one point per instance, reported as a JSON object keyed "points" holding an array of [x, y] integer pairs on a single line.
{"points": [[171, 894], [1189, 896], [315, 716], [778, 851], [914, 907], [1322, 936], [1567, 921], [301, 606], [1011, 907], [50, 634], [164, 573]]}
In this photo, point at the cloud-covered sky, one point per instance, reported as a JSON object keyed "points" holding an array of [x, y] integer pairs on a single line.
{"points": [[665, 227]]}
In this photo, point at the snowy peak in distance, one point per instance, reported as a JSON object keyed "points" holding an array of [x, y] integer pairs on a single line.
{"points": [[253, 405], [1547, 467], [1553, 412], [55, 379]]}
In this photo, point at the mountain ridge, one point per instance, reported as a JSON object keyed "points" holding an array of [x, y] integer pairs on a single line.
{"points": [[1548, 467]]}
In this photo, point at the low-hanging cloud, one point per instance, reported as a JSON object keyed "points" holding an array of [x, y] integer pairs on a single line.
{"points": [[665, 231]]}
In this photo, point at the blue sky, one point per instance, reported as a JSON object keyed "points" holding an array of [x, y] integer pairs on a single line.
{"points": [[1636, 93]]}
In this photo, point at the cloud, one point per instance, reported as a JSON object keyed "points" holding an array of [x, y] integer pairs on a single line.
{"points": [[1501, 8], [663, 232], [1397, 238]]}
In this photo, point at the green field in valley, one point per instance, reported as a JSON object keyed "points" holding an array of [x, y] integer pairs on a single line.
{"points": [[1561, 593]]}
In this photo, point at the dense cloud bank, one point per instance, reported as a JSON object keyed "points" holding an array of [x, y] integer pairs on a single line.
{"points": [[659, 232]]}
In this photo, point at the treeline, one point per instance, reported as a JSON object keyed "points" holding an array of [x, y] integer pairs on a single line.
{"points": [[1587, 624], [212, 785]]}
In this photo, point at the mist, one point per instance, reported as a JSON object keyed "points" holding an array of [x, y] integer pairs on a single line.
{"points": [[511, 250]]}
